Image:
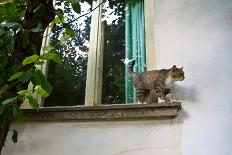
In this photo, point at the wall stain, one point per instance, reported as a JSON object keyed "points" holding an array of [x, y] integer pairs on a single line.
{"points": [[142, 149]]}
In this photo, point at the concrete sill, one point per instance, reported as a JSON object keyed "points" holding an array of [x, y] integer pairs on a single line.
{"points": [[105, 112]]}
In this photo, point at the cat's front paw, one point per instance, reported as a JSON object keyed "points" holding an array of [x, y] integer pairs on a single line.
{"points": [[161, 100], [168, 97], [142, 102]]}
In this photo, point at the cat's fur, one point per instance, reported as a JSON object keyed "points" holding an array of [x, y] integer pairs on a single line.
{"points": [[158, 81]]}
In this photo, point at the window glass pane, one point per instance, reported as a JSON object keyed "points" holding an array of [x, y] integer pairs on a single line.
{"points": [[69, 79], [113, 13]]}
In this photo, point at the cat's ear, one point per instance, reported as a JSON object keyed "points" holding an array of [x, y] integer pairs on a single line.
{"points": [[174, 67], [181, 68]]}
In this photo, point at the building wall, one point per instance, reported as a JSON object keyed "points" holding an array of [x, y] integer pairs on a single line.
{"points": [[96, 138], [197, 34], [194, 34]]}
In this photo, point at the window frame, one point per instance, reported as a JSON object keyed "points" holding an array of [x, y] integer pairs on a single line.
{"points": [[95, 58], [93, 110], [93, 91]]}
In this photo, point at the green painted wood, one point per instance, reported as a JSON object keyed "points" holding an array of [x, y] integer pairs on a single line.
{"points": [[135, 44]]}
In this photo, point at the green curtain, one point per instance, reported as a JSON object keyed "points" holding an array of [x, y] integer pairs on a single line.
{"points": [[135, 44]]}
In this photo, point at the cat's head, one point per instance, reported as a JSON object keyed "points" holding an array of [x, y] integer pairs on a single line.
{"points": [[177, 73]]}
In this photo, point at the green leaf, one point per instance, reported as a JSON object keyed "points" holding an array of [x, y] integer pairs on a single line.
{"points": [[15, 76], [30, 59], [39, 62], [18, 114], [22, 13], [71, 1], [76, 6], [69, 31], [51, 56], [9, 101], [27, 76], [57, 20], [64, 38], [48, 48], [33, 102], [47, 86], [39, 79], [54, 28], [22, 92], [41, 91], [15, 136], [39, 28], [10, 24], [59, 13]]}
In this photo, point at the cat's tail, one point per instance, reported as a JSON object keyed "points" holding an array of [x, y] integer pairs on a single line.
{"points": [[130, 68]]}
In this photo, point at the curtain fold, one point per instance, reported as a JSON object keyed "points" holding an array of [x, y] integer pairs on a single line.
{"points": [[135, 44]]}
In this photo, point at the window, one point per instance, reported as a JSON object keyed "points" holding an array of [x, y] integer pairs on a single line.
{"points": [[102, 69], [93, 72], [69, 79], [119, 34]]}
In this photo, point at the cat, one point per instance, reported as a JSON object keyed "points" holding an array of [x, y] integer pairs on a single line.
{"points": [[157, 81]]}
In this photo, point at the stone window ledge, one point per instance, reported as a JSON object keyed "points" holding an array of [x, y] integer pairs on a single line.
{"points": [[105, 112]]}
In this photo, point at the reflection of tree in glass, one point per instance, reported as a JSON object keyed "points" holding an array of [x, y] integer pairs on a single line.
{"points": [[70, 78], [114, 52]]}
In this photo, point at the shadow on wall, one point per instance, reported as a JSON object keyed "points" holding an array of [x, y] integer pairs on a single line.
{"points": [[184, 94], [188, 94]]}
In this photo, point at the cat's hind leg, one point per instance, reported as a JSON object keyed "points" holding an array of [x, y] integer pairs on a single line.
{"points": [[141, 98], [158, 88], [142, 95]]}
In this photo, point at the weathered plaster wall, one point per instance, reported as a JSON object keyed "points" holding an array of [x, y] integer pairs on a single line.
{"points": [[99, 138], [197, 34]]}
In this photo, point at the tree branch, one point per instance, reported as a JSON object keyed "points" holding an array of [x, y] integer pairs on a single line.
{"points": [[65, 24]]}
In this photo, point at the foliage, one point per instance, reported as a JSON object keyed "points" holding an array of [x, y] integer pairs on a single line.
{"points": [[22, 24], [114, 53], [70, 77]]}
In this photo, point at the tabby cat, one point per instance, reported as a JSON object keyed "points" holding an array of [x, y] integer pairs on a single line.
{"points": [[158, 81]]}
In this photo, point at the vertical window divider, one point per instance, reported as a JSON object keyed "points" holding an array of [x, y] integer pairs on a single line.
{"points": [[149, 31], [99, 64], [95, 59]]}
